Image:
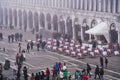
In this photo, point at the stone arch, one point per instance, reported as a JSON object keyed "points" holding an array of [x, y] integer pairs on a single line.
{"points": [[55, 23], [30, 18], [10, 16], [20, 18], [6, 16], [36, 21], [1, 16], [15, 17], [69, 27], [85, 27], [42, 20], [48, 19], [77, 29], [25, 20], [62, 25], [93, 23], [113, 33]]}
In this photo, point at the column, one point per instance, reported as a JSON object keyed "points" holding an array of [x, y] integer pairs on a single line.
{"points": [[90, 5], [85, 4], [66, 3], [114, 6], [118, 6], [65, 26], [109, 6], [8, 18], [22, 21], [69, 4], [46, 26], [3, 16], [82, 4], [94, 5], [59, 25], [100, 6], [73, 27], [73, 2], [28, 21], [52, 23], [18, 20], [13, 19]]}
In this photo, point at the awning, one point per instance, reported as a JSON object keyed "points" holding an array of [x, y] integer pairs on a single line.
{"points": [[100, 29]]}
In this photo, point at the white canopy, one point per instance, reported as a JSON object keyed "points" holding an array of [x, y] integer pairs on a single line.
{"points": [[100, 29]]}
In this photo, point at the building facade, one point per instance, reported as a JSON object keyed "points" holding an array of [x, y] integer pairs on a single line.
{"points": [[72, 17]]}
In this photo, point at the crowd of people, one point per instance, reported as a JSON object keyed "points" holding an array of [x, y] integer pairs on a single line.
{"points": [[60, 72], [15, 37]]}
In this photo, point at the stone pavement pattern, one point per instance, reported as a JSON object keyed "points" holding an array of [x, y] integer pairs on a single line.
{"points": [[37, 61]]}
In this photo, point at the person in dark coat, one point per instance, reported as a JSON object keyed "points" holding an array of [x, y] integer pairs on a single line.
{"points": [[21, 36], [88, 70], [0, 68], [37, 36], [42, 75], [28, 47], [97, 72], [25, 73], [43, 44], [1, 36], [38, 46], [106, 62], [12, 37], [80, 42], [40, 36], [19, 46], [1, 76], [18, 75], [101, 62], [31, 45], [101, 74], [36, 76], [58, 43], [9, 38], [94, 44], [39, 74], [16, 37]]}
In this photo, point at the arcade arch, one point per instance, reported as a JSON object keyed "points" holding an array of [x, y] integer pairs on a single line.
{"points": [[55, 23], [69, 27], [48, 19], [20, 18], [36, 21], [30, 20], [15, 17], [25, 20], [42, 20], [85, 27], [6, 16], [62, 25], [77, 29]]}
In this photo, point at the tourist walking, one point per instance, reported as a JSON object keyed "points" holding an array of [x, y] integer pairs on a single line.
{"points": [[88, 70], [97, 72], [25, 73], [106, 62], [101, 62], [101, 74], [32, 76]]}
